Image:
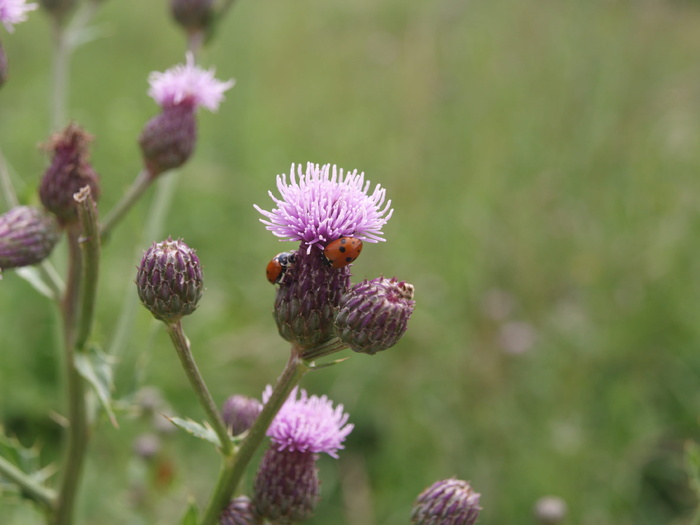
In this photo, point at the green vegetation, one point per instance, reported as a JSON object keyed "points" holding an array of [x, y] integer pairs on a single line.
{"points": [[543, 160]]}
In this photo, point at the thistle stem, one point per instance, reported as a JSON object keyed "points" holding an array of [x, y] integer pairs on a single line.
{"points": [[29, 485], [77, 412], [133, 193], [59, 74], [182, 345], [90, 245], [233, 468]]}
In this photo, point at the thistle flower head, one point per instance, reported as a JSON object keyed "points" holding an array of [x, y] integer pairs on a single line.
{"points": [[169, 280], [167, 140], [70, 170], [13, 12], [445, 502], [373, 315], [27, 236], [308, 424], [323, 204], [188, 85]]}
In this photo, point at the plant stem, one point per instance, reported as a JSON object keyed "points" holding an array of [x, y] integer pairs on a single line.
{"points": [[59, 74], [90, 245], [233, 468], [36, 490], [77, 413], [133, 193], [182, 345]]}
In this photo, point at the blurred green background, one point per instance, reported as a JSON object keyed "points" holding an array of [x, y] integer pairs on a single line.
{"points": [[542, 159]]}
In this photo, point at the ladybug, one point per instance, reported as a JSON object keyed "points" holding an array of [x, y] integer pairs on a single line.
{"points": [[342, 252], [278, 266]]}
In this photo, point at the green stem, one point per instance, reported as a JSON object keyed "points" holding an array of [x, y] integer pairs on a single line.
{"points": [[29, 485], [133, 193], [182, 345], [77, 413], [90, 245], [59, 74], [233, 468]]}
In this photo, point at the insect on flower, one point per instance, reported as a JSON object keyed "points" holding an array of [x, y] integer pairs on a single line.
{"points": [[278, 266], [342, 252]]}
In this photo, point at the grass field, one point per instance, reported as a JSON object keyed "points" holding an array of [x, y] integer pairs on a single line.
{"points": [[542, 159]]}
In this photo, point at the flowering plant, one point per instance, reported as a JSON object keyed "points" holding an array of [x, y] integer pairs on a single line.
{"points": [[328, 211]]}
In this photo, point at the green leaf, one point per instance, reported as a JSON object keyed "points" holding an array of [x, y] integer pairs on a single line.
{"points": [[204, 432], [33, 277], [191, 515], [93, 364]]}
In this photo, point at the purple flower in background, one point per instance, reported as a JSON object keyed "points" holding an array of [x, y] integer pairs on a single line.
{"points": [[325, 204], [14, 12], [308, 424], [187, 85]]}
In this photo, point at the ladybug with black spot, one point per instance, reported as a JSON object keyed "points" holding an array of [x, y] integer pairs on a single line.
{"points": [[278, 266], [342, 252]]}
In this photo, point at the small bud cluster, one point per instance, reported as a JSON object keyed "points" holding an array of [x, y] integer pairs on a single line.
{"points": [[238, 512], [239, 413], [169, 280]]}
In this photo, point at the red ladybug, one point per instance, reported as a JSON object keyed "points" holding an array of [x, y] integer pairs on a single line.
{"points": [[342, 252], [278, 266]]}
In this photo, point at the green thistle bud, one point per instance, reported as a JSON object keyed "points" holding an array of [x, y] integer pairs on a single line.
{"points": [[168, 139], [286, 487], [445, 502], [69, 172], [373, 315], [169, 280], [238, 512], [193, 15], [27, 236]]}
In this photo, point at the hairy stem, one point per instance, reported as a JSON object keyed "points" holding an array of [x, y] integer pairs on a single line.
{"points": [[90, 245], [182, 345], [233, 468], [133, 193]]}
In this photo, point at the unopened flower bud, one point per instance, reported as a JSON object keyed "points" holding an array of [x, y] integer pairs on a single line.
{"points": [[373, 315], [240, 412], [286, 489], [3, 66], [70, 171], [238, 512], [168, 139], [27, 236], [306, 301], [447, 501], [550, 510], [193, 15], [169, 280]]}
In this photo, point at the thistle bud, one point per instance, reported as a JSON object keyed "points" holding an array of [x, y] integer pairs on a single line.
{"points": [[193, 15], [240, 412], [550, 510], [3, 66], [27, 236], [306, 301], [447, 501], [169, 280], [70, 170], [286, 486], [372, 316], [58, 8], [238, 512], [168, 139]]}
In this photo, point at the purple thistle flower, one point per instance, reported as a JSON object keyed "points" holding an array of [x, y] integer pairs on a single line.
{"points": [[13, 12], [324, 204], [187, 85], [308, 424]]}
